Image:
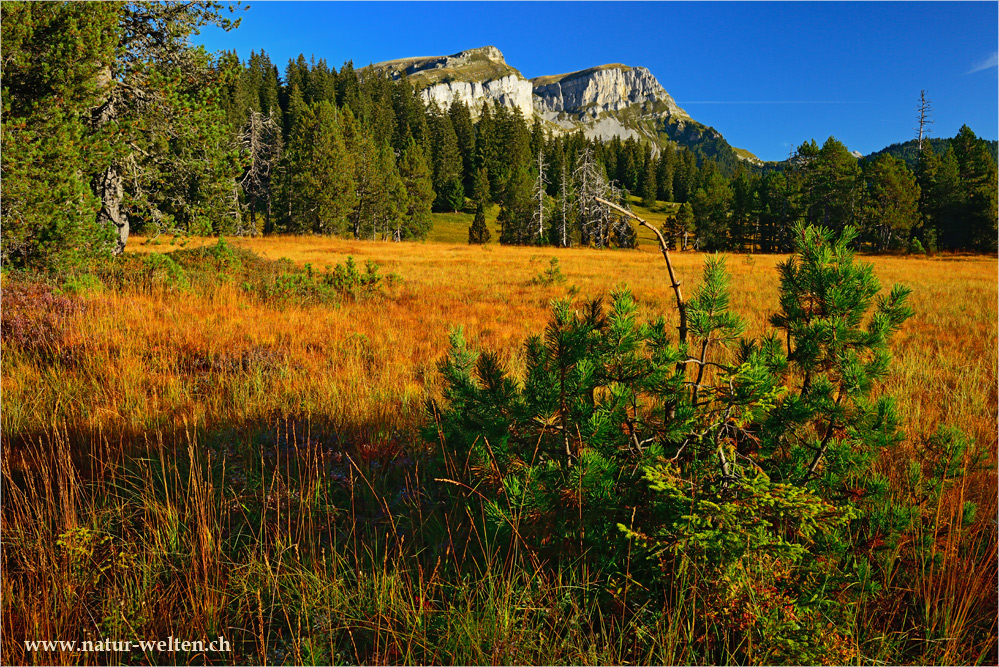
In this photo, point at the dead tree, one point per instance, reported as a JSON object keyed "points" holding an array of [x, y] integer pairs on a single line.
{"points": [[260, 143], [924, 108], [590, 184], [681, 306], [538, 197]]}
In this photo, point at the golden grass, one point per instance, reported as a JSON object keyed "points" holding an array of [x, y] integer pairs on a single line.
{"points": [[377, 358], [144, 363]]}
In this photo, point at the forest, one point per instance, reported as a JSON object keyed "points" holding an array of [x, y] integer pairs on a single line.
{"points": [[115, 125]]}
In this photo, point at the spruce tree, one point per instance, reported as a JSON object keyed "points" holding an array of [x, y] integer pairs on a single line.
{"points": [[415, 221], [479, 232], [480, 188], [320, 190], [517, 210], [665, 167], [649, 187], [461, 121], [446, 161]]}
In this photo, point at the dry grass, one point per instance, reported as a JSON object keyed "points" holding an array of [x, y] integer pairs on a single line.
{"points": [[128, 366]]}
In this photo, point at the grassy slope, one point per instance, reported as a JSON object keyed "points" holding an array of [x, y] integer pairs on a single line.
{"points": [[453, 227]]}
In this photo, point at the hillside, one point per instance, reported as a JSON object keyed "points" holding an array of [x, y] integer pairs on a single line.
{"points": [[908, 151]]}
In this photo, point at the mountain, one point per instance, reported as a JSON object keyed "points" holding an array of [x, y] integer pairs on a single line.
{"points": [[602, 102], [472, 76]]}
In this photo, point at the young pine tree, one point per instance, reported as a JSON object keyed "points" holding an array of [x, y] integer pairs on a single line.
{"points": [[478, 232], [724, 469]]}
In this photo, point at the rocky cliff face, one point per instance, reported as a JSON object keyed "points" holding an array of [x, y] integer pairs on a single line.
{"points": [[603, 102], [510, 91], [607, 101], [473, 76], [600, 90]]}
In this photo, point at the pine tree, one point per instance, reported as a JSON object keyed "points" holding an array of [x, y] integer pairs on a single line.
{"points": [[708, 452], [446, 160], [649, 186], [320, 190], [415, 221], [980, 190], [711, 204], [261, 146], [154, 144], [948, 203], [479, 232], [539, 201], [685, 221], [53, 54], [831, 184], [175, 163], [562, 229], [891, 202], [744, 209], [595, 221]]}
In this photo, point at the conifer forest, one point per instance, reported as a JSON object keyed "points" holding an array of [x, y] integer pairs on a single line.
{"points": [[301, 367]]}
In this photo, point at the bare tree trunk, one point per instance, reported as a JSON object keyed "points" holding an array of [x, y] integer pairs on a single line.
{"points": [[109, 189], [924, 108], [109, 186]]}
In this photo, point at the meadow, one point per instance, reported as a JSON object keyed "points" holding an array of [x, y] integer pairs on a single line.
{"points": [[194, 462]]}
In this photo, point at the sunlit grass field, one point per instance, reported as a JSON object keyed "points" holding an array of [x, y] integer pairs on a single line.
{"points": [[140, 374]]}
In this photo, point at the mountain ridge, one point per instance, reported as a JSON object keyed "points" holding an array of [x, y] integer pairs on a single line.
{"points": [[602, 101]]}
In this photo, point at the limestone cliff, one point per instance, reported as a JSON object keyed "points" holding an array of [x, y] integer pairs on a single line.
{"points": [[603, 102], [599, 90], [473, 76]]}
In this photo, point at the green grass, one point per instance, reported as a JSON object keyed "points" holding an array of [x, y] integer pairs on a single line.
{"points": [[453, 227]]}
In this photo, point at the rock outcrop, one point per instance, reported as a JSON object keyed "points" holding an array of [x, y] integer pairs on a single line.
{"points": [[603, 102], [598, 91], [473, 76], [511, 91]]}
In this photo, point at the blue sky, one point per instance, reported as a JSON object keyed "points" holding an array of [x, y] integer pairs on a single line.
{"points": [[768, 76]]}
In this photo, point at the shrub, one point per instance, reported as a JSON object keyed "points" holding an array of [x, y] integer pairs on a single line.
{"points": [[35, 316], [550, 276], [748, 462], [203, 269], [164, 272]]}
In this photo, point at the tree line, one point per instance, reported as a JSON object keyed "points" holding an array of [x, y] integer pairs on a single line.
{"points": [[113, 123]]}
